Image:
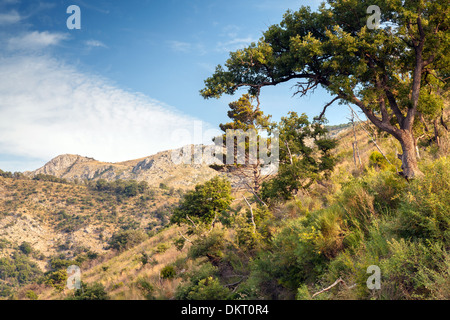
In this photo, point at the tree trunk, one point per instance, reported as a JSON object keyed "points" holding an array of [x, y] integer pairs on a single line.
{"points": [[409, 157]]}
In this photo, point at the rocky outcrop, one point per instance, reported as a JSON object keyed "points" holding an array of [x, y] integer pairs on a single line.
{"points": [[155, 169]]}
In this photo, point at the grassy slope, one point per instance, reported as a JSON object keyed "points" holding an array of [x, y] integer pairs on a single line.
{"points": [[120, 272]]}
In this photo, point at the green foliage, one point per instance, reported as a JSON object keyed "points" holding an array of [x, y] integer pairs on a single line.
{"points": [[58, 263], [208, 289], [202, 285], [179, 243], [205, 203], [245, 115], [30, 294], [382, 71], [5, 174], [376, 159], [414, 267], [162, 247], [47, 177], [163, 186], [425, 212], [376, 219], [168, 272], [26, 248], [145, 258], [18, 269], [303, 293], [299, 166], [126, 239], [208, 246], [95, 291], [57, 279], [145, 287], [126, 188]]}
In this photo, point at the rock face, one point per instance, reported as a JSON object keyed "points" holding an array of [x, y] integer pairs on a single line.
{"points": [[155, 169], [57, 166]]}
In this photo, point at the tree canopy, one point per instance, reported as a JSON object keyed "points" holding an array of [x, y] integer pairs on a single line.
{"points": [[203, 204], [391, 73]]}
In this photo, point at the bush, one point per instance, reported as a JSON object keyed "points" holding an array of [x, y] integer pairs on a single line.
{"points": [[425, 211], [18, 269], [26, 248], [202, 285], [57, 279], [168, 272], [208, 289], [30, 294], [205, 203], [162, 247], [415, 270], [210, 246], [145, 287], [377, 160], [293, 259], [47, 177], [95, 291], [126, 239]]}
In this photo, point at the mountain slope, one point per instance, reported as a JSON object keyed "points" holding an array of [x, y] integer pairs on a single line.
{"points": [[154, 169]]}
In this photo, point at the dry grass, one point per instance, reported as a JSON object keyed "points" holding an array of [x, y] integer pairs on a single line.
{"points": [[119, 272]]}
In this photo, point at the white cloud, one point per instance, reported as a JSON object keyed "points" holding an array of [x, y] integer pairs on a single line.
{"points": [[49, 108], [35, 40], [10, 17], [95, 43], [235, 44]]}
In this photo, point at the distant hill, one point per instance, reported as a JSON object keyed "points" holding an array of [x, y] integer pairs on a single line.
{"points": [[154, 169]]}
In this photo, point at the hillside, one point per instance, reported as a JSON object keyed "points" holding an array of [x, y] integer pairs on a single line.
{"points": [[154, 169], [127, 249]]}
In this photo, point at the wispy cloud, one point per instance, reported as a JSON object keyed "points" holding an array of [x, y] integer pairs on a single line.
{"points": [[235, 44], [35, 40], [49, 108], [95, 43], [11, 17]]}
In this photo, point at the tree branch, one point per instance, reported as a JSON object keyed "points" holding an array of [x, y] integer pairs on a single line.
{"points": [[333, 285], [326, 106]]}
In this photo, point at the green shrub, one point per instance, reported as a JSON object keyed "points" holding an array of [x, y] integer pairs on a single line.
{"points": [[208, 246], [145, 287], [425, 211], [26, 248], [126, 239], [205, 203], [168, 272], [179, 243], [30, 294], [162, 247], [202, 284], [18, 269], [95, 291], [303, 293], [57, 279], [415, 270], [377, 160], [208, 289], [294, 258]]}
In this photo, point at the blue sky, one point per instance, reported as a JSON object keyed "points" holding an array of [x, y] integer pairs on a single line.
{"points": [[118, 88]]}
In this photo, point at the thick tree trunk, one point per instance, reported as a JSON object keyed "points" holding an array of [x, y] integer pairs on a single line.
{"points": [[409, 157]]}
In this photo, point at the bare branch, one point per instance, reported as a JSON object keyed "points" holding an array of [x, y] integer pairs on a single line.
{"points": [[326, 106], [333, 285], [185, 238]]}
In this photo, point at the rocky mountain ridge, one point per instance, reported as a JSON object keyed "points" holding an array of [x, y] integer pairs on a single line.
{"points": [[155, 169]]}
